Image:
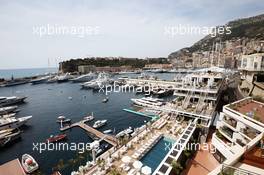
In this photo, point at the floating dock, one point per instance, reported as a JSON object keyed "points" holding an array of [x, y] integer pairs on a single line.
{"points": [[110, 139], [13, 167], [153, 117]]}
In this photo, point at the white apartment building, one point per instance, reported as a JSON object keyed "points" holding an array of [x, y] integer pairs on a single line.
{"points": [[251, 64], [239, 137]]}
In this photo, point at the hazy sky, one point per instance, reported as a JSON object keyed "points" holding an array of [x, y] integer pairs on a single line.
{"points": [[124, 28]]}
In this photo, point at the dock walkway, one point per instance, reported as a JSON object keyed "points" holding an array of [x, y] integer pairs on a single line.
{"points": [[110, 139]]}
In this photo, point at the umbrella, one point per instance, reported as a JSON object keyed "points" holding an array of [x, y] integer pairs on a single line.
{"points": [[126, 159], [146, 170], [137, 164]]}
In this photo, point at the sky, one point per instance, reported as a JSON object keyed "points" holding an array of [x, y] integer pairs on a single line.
{"points": [[28, 37]]}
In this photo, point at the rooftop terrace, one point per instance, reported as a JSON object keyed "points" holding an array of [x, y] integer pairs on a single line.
{"points": [[250, 108]]}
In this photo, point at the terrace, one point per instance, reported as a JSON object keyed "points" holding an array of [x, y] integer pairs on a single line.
{"points": [[249, 108], [202, 163]]}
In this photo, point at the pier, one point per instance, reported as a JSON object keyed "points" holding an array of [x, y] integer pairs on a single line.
{"points": [[153, 117], [110, 139]]}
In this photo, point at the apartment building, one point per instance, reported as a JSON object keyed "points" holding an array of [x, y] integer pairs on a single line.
{"points": [[239, 137]]}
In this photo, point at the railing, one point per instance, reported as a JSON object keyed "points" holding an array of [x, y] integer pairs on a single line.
{"points": [[230, 170]]}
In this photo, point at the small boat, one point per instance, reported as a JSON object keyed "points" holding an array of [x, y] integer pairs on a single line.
{"points": [[29, 164], [89, 118], [108, 131], [56, 138], [99, 123], [62, 119], [105, 100]]}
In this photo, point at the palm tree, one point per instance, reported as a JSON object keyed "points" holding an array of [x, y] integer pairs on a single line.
{"points": [[176, 167], [115, 171]]}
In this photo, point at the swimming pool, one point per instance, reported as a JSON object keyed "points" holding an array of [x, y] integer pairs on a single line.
{"points": [[157, 153]]}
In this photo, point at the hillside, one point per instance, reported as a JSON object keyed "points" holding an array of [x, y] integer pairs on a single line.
{"points": [[251, 28]]}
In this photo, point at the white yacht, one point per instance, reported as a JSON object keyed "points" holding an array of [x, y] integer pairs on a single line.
{"points": [[88, 118], [64, 78], [6, 110], [13, 122], [40, 80], [101, 81], [84, 78], [148, 102], [127, 131], [99, 123], [7, 101]]}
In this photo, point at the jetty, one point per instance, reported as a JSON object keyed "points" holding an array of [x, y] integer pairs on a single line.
{"points": [[153, 117], [108, 138]]}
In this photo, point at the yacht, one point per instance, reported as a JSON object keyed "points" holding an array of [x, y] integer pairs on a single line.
{"points": [[8, 115], [52, 79], [127, 131], [148, 102], [64, 78], [63, 119], [89, 118], [7, 101], [29, 164], [99, 123], [9, 135], [6, 110], [13, 122], [101, 81], [84, 78], [40, 80]]}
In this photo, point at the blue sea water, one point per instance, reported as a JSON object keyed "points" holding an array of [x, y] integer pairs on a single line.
{"points": [[46, 102], [19, 73]]}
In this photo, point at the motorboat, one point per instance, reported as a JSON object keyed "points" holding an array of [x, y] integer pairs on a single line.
{"points": [[64, 78], [56, 138], [127, 131], [108, 131], [84, 78], [29, 164], [89, 118], [9, 135], [63, 119], [7, 101], [148, 102], [40, 80], [6, 110], [99, 123], [105, 100], [52, 79], [6, 123], [102, 80]]}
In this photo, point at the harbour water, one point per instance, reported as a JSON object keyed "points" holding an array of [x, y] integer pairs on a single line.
{"points": [[46, 102]]}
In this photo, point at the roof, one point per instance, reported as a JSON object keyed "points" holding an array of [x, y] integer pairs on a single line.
{"points": [[12, 168], [249, 108]]}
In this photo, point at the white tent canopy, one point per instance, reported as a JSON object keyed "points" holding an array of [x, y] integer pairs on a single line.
{"points": [[137, 164], [146, 170]]}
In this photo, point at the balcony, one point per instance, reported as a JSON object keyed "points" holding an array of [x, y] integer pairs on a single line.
{"points": [[250, 133], [227, 132], [230, 122]]}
